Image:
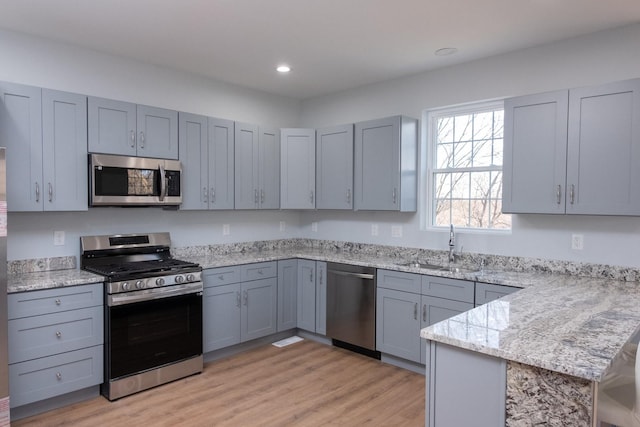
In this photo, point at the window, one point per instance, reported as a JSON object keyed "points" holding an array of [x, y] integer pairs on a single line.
{"points": [[466, 167]]}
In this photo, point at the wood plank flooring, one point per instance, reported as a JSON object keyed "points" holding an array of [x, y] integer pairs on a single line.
{"points": [[303, 384]]}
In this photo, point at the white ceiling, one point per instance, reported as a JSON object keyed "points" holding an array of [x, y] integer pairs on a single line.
{"points": [[331, 45]]}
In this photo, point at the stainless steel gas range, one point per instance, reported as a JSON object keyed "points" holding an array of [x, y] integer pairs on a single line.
{"points": [[153, 311]]}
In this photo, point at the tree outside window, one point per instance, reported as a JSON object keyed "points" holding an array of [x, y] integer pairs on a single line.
{"points": [[466, 166]]}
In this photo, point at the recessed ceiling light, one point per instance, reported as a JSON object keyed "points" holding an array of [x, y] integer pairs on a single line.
{"points": [[283, 68], [445, 51]]}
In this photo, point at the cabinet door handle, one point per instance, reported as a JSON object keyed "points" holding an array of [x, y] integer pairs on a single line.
{"points": [[415, 311], [141, 139], [59, 334], [558, 194], [238, 299], [213, 195], [37, 193], [320, 276], [573, 193], [132, 137], [58, 301], [204, 194], [255, 196], [58, 376], [348, 195], [311, 276], [311, 196], [50, 193], [424, 313], [262, 196], [395, 195], [246, 298]]}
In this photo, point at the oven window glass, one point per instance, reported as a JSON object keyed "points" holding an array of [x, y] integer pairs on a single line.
{"points": [[112, 181], [149, 334]]}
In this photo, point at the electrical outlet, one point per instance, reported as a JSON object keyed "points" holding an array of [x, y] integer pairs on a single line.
{"points": [[226, 229], [396, 231], [314, 226], [58, 238], [577, 242], [283, 225], [374, 229]]}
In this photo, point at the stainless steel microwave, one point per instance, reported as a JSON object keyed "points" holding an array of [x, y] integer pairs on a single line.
{"points": [[133, 181]]}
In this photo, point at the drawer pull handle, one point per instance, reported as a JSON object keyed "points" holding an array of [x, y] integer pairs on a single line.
{"points": [[59, 376], [59, 334], [424, 313], [237, 299], [415, 311], [58, 301]]}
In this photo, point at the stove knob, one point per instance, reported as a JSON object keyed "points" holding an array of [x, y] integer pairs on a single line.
{"points": [[126, 286], [160, 282], [140, 284], [191, 277], [179, 278]]}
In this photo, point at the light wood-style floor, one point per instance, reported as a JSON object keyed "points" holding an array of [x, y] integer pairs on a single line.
{"points": [[303, 384]]}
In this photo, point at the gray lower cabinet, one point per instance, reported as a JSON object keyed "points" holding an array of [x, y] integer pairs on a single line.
{"points": [[287, 294], [408, 302], [385, 164], [487, 292], [297, 168], [55, 342], [574, 151], [207, 155], [123, 128], [239, 304], [45, 132], [334, 167], [312, 296], [321, 297], [257, 167]]}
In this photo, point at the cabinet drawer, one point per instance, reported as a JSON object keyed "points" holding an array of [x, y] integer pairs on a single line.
{"points": [[399, 281], [39, 336], [221, 276], [453, 289], [260, 270], [486, 292], [55, 375], [34, 303]]}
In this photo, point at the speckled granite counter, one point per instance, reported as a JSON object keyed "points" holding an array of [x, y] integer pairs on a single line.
{"points": [[22, 282]]}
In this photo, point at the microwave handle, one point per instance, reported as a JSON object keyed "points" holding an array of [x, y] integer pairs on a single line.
{"points": [[163, 183]]}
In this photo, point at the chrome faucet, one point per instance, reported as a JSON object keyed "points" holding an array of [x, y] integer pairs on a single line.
{"points": [[452, 244]]}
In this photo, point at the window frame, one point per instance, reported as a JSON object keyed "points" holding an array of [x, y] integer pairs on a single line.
{"points": [[428, 182]]}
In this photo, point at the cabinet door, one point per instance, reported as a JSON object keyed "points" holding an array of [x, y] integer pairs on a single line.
{"points": [[112, 126], [377, 164], [297, 168], [334, 168], [221, 162], [64, 145], [157, 132], [287, 294], [535, 153], [220, 315], [435, 310], [259, 308], [604, 149], [398, 324], [307, 295], [246, 166], [321, 297], [21, 133], [269, 168], [194, 156]]}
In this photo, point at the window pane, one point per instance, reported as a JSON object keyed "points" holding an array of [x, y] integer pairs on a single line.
{"points": [[463, 129], [442, 185], [498, 219], [483, 126], [479, 213], [498, 145], [498, 124], [482, 153], [444, 153], [460, 213], [480, 185], [460, 184], [444, 131], [442, 212], [462, 154], [496, 185]]}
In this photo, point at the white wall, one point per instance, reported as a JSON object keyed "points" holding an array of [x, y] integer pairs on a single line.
{"points": [[40, 62], [596, 58]]}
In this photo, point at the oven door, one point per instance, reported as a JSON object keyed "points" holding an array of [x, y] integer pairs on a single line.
{"points": [[149, 334]]}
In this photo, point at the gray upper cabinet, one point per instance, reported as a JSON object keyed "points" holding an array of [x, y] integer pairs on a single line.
{"points": [[334, 168], [574, 151], [297, 168], [385, 164], [117, 127], [257, 167], [535, 145], [206, 153], [37, 124]]}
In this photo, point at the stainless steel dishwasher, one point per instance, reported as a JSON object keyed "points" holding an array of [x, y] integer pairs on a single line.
{"points": [[351, 307]]}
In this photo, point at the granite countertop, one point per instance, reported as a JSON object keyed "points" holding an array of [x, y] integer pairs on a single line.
{"points": [[564, 323]]}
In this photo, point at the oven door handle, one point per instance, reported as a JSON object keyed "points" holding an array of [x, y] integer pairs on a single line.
{"points": [[153, 294], [163, 183]]}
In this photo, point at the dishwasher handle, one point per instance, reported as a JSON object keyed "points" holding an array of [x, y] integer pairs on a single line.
{"points": [[350, 274]]}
